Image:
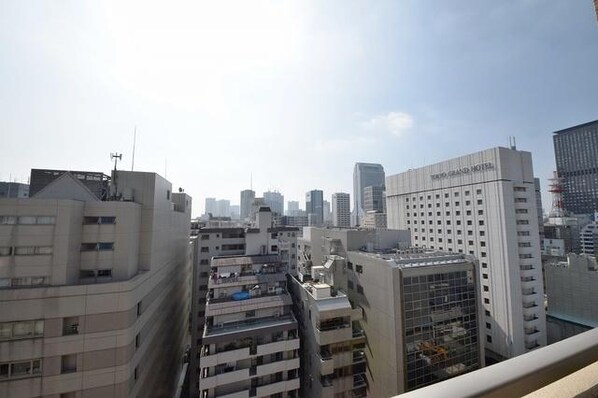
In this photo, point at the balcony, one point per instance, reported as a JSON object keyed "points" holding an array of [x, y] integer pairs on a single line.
{"points": [[250, 324], [277, 388], [246, 278], [567, 368], [358, 356], [528, 292], [359, 381], [226, 377], [326, 362]]}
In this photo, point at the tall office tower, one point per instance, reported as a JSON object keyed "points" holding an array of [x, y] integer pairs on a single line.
{"points": [[275, 200], [211, 207], [13, 190], [364, 175], [94, 298], [314, 206], [223, 208], [341, 210], [572, 302], [292, 208], [483, 204], [411, 317], [247, 197], [250, 343], [576, 152], [327, 213], [374, 199]]}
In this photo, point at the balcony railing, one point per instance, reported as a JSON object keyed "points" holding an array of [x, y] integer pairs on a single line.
{"points": [[279, 292], [528, 373]]}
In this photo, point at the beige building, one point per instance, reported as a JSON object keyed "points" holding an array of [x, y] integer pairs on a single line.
{"points": [[251, 251], [94, 293]]}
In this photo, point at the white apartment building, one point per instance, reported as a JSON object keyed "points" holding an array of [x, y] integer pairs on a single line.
{"points": [[235, 242], [94, 293], [341, 210], [482, 204]]}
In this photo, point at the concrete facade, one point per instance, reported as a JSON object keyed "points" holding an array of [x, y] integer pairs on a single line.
{"points": [[482, 204], [341, 210], [314, 207], [247, 197], [13, 190], [570, 289], [260, 239], [94, 297]]}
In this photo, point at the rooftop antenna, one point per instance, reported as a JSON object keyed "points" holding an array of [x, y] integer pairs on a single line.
{"points": [[134, 142], [116, 156], [556, 189]]}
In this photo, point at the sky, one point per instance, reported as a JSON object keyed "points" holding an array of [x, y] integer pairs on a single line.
{"points": [[288, 94]]}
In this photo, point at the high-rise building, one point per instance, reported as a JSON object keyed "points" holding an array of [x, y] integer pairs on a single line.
{"points": [[292, 208], [13, 190], [576, 152], [235, 212], [275, 200], [374, 199], [341, 210], [589, 238], [314, 206], [327, 213], [364, 175], [211, 207], [378, 319], [245, 335], [482, 204], [222, 208], [94, 293], [247, 197]]}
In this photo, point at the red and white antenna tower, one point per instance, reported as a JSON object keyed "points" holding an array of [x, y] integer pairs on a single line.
{"points": [[556, 189]]}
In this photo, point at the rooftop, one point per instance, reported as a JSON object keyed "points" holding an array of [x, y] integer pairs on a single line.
{"points": [[222, 261], [415, 257]]}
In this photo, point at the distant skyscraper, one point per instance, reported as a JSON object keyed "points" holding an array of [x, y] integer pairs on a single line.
{"points": [[274, 200], [211, 207], [576, 152], [247, 197], [314, 206], [292, 208], [341, 210], [234, 211], [364, 175], [374, 199], [223, 208], [327, 213]]}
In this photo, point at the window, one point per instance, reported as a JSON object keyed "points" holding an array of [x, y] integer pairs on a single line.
{"points": [[484, 265], [167, 194], [106, 246], [470, 233], [137, 340], [5, 251], [482, 233], [469, 222], [523, 233], [481, 212], [104, 273], [205, 237], [522, 222], [480, 201], [33, 250], [349, 265], [139, 309], [519, 189], [84, 274], [359, 289], [520, 200], [483, 244], [487, 312], [470, 242], [525, 244], [21, 329], [485, 276], [68, 363], [359, 268], [456, 194], [483, 254], [250, 314], [468, 213], [46, 220], [70, 325], [467, 202], [27, 220], [486, 300], [8, 220], [522, 256], [488, 325], [520, 211], [481, 222], [205, 249], [488, 339]]}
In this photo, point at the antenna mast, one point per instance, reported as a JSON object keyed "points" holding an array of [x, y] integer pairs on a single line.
{"points": [[556, 189], [134, 142], [116, 156]]}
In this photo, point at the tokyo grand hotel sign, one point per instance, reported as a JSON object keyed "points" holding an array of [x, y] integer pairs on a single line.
{"points": [[464, 170]]}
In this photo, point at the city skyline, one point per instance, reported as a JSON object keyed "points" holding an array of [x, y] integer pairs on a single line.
{"points": [[369, 83]]}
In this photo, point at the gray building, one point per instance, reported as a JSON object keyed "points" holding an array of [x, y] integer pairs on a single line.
{"points": [[274, 200], [374, 199], [413, 315], [314, 206], [589, 238], [576, 153], [211, 207], [106, 284], [14, 190], [341, 210], [96, 182], [247, 197], [292, 208], [571, 293], [222, 208], [245, 335], [364, 175]]}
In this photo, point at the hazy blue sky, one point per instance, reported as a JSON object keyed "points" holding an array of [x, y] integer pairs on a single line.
{"points": [[293, 92]]}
